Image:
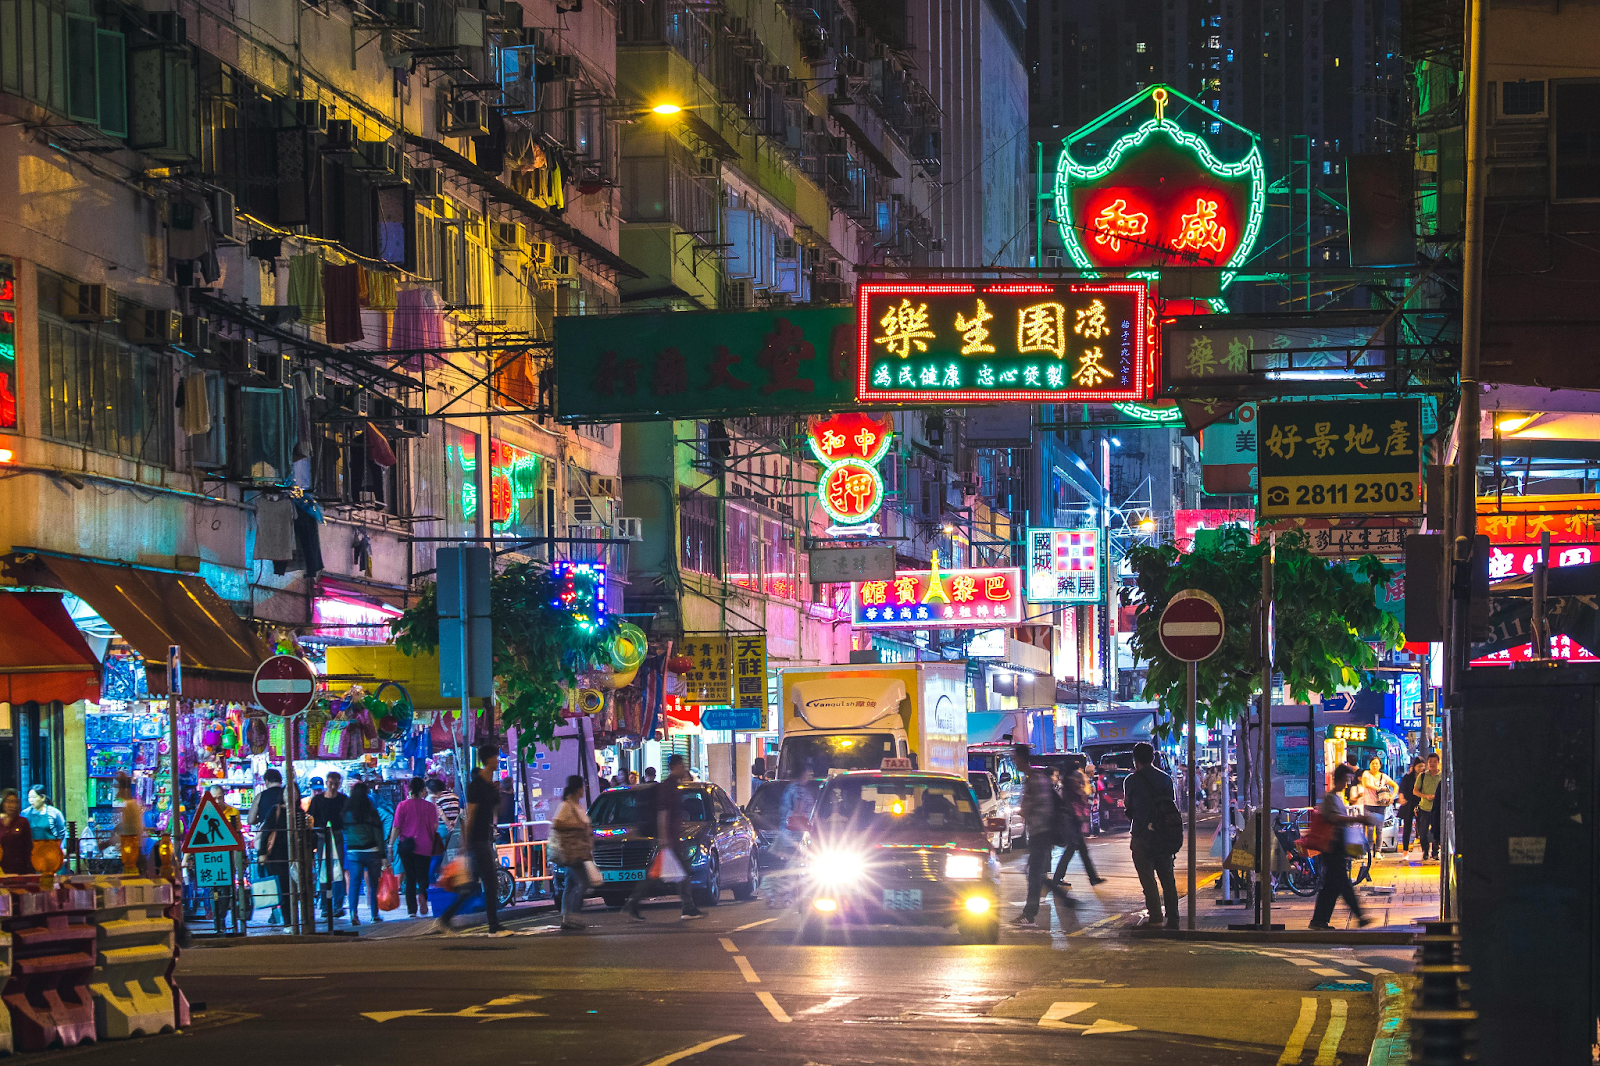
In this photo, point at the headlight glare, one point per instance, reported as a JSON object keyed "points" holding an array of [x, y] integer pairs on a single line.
{"points": [[961, 866], [837, 866]]}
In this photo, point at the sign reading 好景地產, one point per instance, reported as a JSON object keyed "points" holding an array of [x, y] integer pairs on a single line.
{"points": [[1031, 341], [1351, 458], [939, 599]]}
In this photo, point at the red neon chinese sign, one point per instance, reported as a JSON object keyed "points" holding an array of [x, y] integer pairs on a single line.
{"points": [[849, 445], [939, 599]]}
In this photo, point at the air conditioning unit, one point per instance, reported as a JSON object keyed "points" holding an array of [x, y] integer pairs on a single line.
{"points": [[531, 37], [88, 303], [564, 67], [740, 294], [582, 510], [194, 334], [427, 183], [318, 377], [603, 485], [561, 266], [415, 424], [278, 369], [509, 236], [153, 329], [794, 88], [341, 136], [830, 292], [786, 248], [363, 402], [465, 118], [313, 114], [628, 529], [408, 15], [376, 157], [239, 356]]}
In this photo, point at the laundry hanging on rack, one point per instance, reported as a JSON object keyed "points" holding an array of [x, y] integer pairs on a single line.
{"points": [[378, 289], [305, 286], [275, 532], [340, 286], [191, 237], [196, 405], [418, 320]]}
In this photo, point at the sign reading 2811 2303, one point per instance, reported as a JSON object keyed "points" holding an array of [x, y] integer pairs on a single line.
{"points": [[1357, 458]]}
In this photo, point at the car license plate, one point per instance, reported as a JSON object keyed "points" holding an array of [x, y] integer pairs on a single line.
{"points": [[622, 875], [902, 899]]}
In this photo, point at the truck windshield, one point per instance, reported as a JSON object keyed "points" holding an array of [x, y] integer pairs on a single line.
{"points": [[817, 756]]}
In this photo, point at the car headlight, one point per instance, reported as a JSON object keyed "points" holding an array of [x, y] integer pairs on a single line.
{"points": [[963, 867], [837, 866]]}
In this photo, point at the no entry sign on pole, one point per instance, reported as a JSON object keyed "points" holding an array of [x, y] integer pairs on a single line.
{"points": [[285, 685], [1191, 626]]}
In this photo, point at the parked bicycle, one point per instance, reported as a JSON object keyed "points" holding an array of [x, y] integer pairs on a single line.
{"points": [[1301, 876]]}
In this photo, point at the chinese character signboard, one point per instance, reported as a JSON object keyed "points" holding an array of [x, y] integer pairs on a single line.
{"points": [[8, 345], [748, 654], [1214, 355], [1228, 453], [939, 599], [635, 368], [708, 676], [1031, 341], [1358, 458], [1064, 565], [849, 446], [1159, 196], [513, 488], [1186, 522], [1515, 525]]}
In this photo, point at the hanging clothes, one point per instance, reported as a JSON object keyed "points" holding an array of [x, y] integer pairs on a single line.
{"points": [[302, 415], [418, 319], [196, 405], [308, 535], [378, 449], [382, 290], [191, 238], [340, 288], [275, 533], [305, 286]]}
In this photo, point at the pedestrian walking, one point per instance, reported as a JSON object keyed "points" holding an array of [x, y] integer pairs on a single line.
{"points": [[270, 816], [326, 815], [414, 839], [1148, 794], [1408, 803], [664, 815], [573, 837], [477, 840], [1041, 816], [1334, 860], [16, 836], [1426, 788], [363, 848], [447, 801], [47, 822], [1377, 796], [1074, 809]]}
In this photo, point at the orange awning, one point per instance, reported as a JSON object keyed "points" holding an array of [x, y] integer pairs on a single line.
{"points": [[43, 657]]}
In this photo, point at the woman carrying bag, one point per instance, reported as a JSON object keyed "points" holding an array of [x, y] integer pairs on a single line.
{"points": [[363, 848], [415, 839], [573, 837]]}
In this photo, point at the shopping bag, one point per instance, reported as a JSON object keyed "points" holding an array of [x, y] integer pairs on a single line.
{"points": [[454, 875], [666, 867], [264, 893], [388, 890], [1319, 834], [1355, 840]]}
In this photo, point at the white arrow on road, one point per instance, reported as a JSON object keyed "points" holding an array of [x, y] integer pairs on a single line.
{"points": [[476, 1013], [1066, 1009]]}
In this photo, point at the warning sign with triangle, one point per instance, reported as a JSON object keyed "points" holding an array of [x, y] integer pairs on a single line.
{"points": [[210, 830]]}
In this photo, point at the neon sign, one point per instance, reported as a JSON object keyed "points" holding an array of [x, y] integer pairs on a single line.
{"points": [[581, 590], [8, 347], [939, 599], [849, 446], [1029, 341], [513, 486], [1064, 565], [1159, 196]]}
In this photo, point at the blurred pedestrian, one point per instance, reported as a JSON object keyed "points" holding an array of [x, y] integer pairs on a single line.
{"points": [[1147, 792], [270, 816], [326, 816], [1426, 787], [364, 849], [16, 836], [1074, 808], [1040, 817], [573, 836], [1408, 803], [664, 816], [477, 842], [414, 836], [1334, 860]]}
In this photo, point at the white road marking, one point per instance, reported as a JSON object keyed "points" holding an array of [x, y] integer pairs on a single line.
{"points": [[304, 977], [1102, 1026], [727, 945], [1328, 1050], [1301, 962], [1302, 1029], [668, 1060], [752, 925], [1375, 970], [1064, 1009], [1328, 971], [834, 1002], [773, 1009], [475, 1013], [746, 969]]}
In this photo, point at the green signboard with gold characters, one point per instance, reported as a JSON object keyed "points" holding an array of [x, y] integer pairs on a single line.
{"points": [[1357, 458]]}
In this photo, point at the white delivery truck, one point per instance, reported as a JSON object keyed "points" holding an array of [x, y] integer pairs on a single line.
{"points": [[854, 717]]}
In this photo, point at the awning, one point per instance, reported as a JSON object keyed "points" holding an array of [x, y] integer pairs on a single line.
{"points": [[43, 656], [153, 609]]}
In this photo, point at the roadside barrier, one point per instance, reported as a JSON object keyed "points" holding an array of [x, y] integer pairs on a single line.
{"points": [[1442, 1023], [53, 957], [134, 953]]}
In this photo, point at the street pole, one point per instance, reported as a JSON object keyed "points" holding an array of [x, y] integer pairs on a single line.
{"points": [[1194, 727], [1264, 838], [1110, 629], [174, 817]]}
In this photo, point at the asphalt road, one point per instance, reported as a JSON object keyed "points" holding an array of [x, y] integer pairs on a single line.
{"points": [[736, 988]]}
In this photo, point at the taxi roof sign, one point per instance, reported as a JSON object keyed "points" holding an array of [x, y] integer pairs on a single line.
{"points": [[210, 830]]}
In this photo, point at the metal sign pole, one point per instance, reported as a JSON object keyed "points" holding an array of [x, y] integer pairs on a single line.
{"points": [[1194, 727], [1264, 838], [174, 818]]}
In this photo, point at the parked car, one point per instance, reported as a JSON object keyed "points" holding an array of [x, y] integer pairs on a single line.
{"points": [[997, 760], [769, 811], [721, 842], [899, 848], [994, 804]]}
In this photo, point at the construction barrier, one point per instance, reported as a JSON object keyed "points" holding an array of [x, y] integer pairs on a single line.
{"points": [[180, 1002], [133, 954], [53, 958], [7, 1043]]}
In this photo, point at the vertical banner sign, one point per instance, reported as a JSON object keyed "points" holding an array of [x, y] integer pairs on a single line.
{"points": [[708, 678], [466, 667], [8, 344], [1337, 459], [1064, 565], [749, 658]]}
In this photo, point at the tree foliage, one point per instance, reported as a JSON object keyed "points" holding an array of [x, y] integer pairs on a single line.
{"points": [[1324, 614], [539, 646]]}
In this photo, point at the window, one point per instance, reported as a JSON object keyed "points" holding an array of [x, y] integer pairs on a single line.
{"points": [[1577, 140], [99, 393], [1521, 98], [698, 518]]}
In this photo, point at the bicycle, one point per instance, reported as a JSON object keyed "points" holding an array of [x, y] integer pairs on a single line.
{"points": [[1302, 876]]}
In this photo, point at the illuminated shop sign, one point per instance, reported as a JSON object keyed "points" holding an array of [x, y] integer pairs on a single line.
{"points": [[1029, 341], [849, 446], [581, 589], [513, 486], [939, 599], [1064, 565], [8, 345]]}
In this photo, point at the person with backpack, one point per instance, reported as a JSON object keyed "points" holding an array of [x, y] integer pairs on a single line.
{"points": [[1148, 795], [364, 848]]}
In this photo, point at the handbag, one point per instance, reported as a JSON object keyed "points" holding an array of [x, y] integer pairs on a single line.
{"points": [[405, 846], [1319, 834], [1355, 840], [665, 867]]}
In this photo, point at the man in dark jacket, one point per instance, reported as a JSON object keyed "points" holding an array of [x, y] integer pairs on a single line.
{"points": [[1408, 803], [1146, 791], [665, 813], [326, 816], [271, 819], [1041, 814]]}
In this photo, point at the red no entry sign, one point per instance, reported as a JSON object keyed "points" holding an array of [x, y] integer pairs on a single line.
{"points": [[1191, 626], [285, 685]]}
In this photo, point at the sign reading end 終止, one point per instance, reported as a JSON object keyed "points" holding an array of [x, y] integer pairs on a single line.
{"points": [[1351, 458]]}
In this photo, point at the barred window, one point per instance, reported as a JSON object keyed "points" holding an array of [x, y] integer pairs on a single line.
{"points": [[701, 550], [99, 393]]}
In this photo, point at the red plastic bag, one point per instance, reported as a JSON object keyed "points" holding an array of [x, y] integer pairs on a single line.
{"points": [[666, 867], [388, 890], [454, 875]]}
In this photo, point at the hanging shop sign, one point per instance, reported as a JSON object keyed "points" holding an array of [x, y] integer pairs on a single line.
{"points": [[1356, 458], [939, 599], [726, 669], [1228, 454], [1030, 341], [1241, 355], [1186, 523], [513, 488], [1064, 565], [1520, 520], [712, 364], [748, 654], [581, 589], [1159, 195], [849, 446]]}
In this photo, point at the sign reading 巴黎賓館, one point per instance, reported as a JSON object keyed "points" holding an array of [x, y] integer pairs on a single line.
{"points": [[1355, 458], [940, 599]]}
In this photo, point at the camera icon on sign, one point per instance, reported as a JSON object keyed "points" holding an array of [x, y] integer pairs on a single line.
{"points": [[1278, 495]]}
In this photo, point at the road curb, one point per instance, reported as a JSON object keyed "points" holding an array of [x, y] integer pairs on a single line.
{"points": [[1277, 936], [1392, 996], [528, 909]]}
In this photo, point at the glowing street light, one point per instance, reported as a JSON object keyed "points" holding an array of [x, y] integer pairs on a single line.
{"points": [[666, 109]]}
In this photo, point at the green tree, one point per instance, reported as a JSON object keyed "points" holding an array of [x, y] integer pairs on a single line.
{"points": [[540, 643], [1324, 616]]}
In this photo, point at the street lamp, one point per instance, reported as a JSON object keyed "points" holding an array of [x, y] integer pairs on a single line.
{"points": [[666, 108]]}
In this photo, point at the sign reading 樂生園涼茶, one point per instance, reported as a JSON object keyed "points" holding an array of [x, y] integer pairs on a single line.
{"points": [[1030, 341], [1356, 458], [939, 599]]}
